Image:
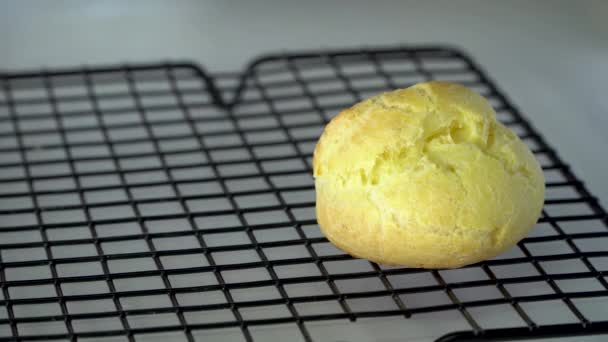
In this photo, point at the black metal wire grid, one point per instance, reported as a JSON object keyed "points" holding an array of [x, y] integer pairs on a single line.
{"points": [[155, 201]]}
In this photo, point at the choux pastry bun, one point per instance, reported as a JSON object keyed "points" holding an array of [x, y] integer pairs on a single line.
{"points": [[425, 177]]}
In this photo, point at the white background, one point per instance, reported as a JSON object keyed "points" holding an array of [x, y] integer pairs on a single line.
{"points": [[550, 57]]}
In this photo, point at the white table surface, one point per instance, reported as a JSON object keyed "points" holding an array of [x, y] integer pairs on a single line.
{"points": [[550, 57]]}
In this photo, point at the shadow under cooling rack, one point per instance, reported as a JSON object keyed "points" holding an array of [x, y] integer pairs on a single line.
{"points": [[159, 202]]}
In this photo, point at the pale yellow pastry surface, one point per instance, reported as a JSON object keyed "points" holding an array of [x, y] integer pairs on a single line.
{"points": [[425, 177]]}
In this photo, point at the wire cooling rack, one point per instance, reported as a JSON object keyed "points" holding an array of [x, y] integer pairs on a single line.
{"points": [[158, 202]]}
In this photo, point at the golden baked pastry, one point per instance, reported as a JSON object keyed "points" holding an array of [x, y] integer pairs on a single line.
{"points": [[425, 177]]}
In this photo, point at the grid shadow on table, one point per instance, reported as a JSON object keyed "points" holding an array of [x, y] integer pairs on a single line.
{"points": [[157, 202]]}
